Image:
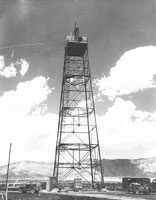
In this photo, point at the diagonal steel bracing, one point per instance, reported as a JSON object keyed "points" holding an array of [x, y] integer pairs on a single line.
{"points": [[77, 147]]}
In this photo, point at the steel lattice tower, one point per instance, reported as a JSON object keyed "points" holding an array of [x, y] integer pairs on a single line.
{"points": [[77, 147]]}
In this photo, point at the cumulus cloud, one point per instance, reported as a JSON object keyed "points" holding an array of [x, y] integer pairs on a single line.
{"points": [[11, 70], [7, 71], [27, 95], [24, 66], [31, 135], [124, 127], [133, 72]]}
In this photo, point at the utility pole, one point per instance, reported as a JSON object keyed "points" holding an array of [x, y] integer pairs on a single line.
{"points": [[7, 176]]}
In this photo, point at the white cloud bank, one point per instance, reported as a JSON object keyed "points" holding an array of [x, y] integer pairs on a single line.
{"points": [[11, 70], [27, 95], [33, 136], [125, 128], [133, 72]]}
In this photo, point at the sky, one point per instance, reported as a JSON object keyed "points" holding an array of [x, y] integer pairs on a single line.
{"points": [[122, 55]]}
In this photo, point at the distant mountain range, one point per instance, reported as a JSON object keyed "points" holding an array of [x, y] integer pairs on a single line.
{"points": [[27, 170], [144, 167]]}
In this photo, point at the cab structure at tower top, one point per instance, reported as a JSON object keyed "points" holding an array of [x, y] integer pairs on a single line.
{"points": [[77, 153]]}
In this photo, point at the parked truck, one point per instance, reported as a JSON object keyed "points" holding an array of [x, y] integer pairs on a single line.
{"points": [[30, 187], [153, 186], [137, 185]]}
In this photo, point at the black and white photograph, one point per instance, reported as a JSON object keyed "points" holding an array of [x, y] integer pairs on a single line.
{"points": [[77, 99]]}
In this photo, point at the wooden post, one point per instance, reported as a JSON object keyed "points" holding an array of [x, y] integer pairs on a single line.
{"points": [[8, 171]]}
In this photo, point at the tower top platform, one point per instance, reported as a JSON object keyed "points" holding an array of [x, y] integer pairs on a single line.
{"points": [[76, 44]]}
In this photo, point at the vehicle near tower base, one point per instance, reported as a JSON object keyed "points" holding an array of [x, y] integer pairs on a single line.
{"points": [[137, 185], [30, 187], [137, 188], [153, 186]]}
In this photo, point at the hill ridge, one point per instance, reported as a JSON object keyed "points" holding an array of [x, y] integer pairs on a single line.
{"points": [[141, 167]]}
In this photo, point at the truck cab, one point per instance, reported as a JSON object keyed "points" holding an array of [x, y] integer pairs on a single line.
{"points": [[30, 187], [153, 186], [137, 185]]}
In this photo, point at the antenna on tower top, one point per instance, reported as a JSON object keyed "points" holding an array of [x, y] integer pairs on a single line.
{"points": [[76, 33]]}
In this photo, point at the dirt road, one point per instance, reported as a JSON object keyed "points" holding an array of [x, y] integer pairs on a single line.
{"points": [[80, 196]]}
